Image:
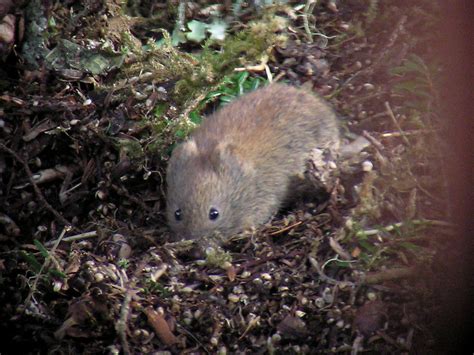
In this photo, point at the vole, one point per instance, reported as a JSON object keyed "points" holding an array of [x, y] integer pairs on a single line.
{"points": [[235, 170]]}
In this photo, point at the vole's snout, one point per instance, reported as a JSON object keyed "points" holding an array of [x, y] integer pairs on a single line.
{"points": [[186, 235], [181, 236]]}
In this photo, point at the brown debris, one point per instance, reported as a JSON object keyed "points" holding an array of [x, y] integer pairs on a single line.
{"points": [[292, 327], [160, 326], [370, 317]]}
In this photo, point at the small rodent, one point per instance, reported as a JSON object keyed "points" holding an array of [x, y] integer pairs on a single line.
{"points": [[234, 171]]}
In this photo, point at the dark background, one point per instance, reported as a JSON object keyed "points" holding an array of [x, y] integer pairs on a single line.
{"points": [[455, 322]]}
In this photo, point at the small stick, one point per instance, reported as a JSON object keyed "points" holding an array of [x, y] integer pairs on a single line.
{"points": [[391, 274], [314, 263], [306, 21], [374, 141], [121, 325], [395, 122], [286, 228], [407, 133], [389, 228], [74, 237]]}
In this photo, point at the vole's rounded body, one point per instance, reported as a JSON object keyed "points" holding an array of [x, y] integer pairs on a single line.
{"points": [[235, 170]]}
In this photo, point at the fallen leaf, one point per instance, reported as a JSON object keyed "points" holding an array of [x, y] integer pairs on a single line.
{"points": [[198, 31], [217, 30]]}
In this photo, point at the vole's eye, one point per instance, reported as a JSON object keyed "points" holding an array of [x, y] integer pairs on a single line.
{"points": [[213, 214], [178, 215]]}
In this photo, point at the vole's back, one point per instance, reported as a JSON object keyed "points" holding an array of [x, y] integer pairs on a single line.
{"points": [[277, 119], [254, 146]]}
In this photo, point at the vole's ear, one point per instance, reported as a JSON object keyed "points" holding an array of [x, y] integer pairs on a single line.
{"points": [[226, 157], [181, 155], [188, 148]]}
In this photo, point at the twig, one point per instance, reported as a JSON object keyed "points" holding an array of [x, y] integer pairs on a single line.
{"points": [[306, 11], [391, 227], [407, 133], [395, 122], [264, 260], [326, 278], [336, 258], [379, 148], [391, 274], [74, 237], [286, 228], [253, 322], [374, 141], [121, 325], [38, 193], [340, 251]]}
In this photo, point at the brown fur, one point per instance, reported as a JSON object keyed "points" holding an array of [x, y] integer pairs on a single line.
{"points": [[242, 159]]}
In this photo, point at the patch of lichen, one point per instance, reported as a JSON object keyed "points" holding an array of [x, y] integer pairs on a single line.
{"points": [[36, 34]]}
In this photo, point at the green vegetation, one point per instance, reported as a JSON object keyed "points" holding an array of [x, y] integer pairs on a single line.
{"points": [[45, 268]]}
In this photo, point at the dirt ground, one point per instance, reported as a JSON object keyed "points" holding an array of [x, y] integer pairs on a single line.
{"points": [[93, 98]]}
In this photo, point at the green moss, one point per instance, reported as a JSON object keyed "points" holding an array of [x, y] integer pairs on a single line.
{"points": [[132, 148], [249, 46], [218, 257]]}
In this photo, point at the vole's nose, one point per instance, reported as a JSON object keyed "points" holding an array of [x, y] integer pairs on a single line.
{"points": [[197, 253]]}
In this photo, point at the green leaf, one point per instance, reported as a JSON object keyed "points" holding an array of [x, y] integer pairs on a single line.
{"points": [[213, 95], [198, 31], [413, 64], [217, 29], [31, 261], [95, 64], [57, 273], [226, 99], [180, 133], [160, 109], [255, 84], [367, 246], [342, 264], [241, 80], [195, 118], [44, 252]]}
